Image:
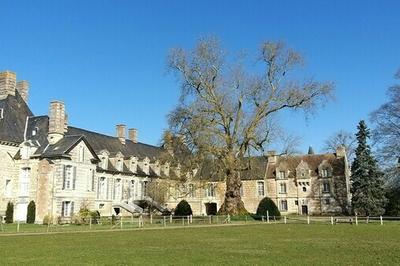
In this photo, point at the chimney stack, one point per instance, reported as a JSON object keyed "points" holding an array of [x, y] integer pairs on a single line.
{"points": [[272, 156], [121, 133], [340, 152], [23, 89], [133, 134], [8, 80], [57, 121]]}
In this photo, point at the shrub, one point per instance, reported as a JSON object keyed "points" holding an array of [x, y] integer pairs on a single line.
{"points": [[47, 219], [267, 204], [183, 209], [10, 213], [30, 216], [95, 217]]}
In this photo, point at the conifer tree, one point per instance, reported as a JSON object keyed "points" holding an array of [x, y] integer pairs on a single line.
{"points": [[31, 214], [10, 212], [368, 195]]}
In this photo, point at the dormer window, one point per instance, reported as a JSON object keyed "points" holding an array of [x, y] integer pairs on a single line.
{"points": [[324, 173], [281, 175], [104, 163], [35, 131], [119, 165], [81, 155]]}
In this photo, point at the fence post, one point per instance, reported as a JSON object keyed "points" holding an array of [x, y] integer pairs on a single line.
{"points": [[170, 218], [1, 224], [267, 216], [17, 226], [331, 220], [262, 219], [183, 220], [191, 218], [121, 222], [284, 218], [132, 219], [229, 218], [356, 219], [209, 218], [381, 219], [48, 226], [165, 222], [367, 221], [90, 222], [245, 219], [308, 219], [151, 218]]}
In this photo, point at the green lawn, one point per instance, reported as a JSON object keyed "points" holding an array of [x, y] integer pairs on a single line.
{"points": [[264, 244]]}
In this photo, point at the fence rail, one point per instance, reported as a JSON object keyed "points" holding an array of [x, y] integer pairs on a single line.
{"points": [[153, 221]]}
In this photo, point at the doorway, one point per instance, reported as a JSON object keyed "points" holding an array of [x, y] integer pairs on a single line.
{"points": [[304, 209], [211, 208]]}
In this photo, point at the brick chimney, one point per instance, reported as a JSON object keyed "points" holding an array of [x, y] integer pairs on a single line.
{"points": [[133, 134], [340, 152], [23, 89], [272, 156], [57, 121], [8, 80], [121, 130]]}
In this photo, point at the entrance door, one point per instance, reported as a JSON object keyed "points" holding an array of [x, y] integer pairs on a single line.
{"points": [[211, 208], [304, 209]]}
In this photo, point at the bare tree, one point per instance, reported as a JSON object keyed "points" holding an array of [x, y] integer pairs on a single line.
{"points": [[225, 113], [342, 138], [386, 134]]}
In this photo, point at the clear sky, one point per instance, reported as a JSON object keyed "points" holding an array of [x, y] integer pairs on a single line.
{"points": [[106, 59]]}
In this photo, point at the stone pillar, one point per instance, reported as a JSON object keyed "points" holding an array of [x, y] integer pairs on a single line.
{"points": [[133, 134], [8, 83], [57, 121], [23, 89], [121, 133]]}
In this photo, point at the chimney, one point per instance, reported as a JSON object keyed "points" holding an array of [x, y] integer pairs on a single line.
{"points": [[133, 134], [57, 121], [340, 152], [121, 133], [23, 89], [271, 156], [7, 84]]}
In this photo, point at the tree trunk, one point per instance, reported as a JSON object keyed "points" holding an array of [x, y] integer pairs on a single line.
{"points": [[233, 203]]}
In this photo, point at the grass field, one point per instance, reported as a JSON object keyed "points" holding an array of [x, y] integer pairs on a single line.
{"points": [[238, 245]]}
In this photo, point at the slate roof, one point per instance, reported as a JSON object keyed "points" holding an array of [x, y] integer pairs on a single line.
{"points": [[96, 141], [15, 113], [313, 161]]}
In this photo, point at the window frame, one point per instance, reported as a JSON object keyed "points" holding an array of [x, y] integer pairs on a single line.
{"points": [[260, 188]]}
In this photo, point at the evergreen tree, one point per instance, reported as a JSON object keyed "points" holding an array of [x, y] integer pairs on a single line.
{"points": [[183, 208], [31, 214], [368, 194], [10, 213], [267, 206]]}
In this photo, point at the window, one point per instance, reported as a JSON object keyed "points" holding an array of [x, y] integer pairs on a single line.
{"points": [[67, 208], [326, 187], [119, 165], [296, 202], [1, 113], [324, 173], [145, 183], [191, 191], [69, 177], [133, 166], [35, 131], [281, 175], [327, 201], [104, 162], [283, 205], [8, 188], [81, 155], [93, 180], [102, 188], [132, 189], [210, 190], [24, 181], [117, 189], [260, 188], [304, 189], [282, 188]]}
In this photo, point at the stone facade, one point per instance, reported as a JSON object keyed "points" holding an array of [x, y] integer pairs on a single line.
{"points": [[63, 168]]}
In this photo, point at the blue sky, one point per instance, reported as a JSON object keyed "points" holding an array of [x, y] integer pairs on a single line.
{"points": [[107, 59]]}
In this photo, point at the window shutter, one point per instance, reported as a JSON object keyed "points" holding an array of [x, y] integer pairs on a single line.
{"points": [[62, 208], [63, 177], [74, 178], [72, 208]]}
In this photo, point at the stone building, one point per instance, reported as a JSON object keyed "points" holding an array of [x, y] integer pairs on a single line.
{"points": [[63, 168]]}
